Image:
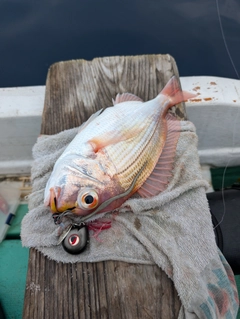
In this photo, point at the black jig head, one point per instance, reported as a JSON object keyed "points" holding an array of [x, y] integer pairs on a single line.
{"points": [[76, 240]]}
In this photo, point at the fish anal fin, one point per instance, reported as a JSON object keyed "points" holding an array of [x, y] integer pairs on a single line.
{"points": [[161, 174], [174, 92], [124, 97]]}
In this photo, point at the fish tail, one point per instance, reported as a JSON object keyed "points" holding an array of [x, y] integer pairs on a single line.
{"points": [[174, 93]]}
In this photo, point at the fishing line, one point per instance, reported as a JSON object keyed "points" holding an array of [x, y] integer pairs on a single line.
{"points": [[236, 118], [225, 41]]}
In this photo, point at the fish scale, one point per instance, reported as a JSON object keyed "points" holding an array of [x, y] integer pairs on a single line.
{"points": [[130, 163]]}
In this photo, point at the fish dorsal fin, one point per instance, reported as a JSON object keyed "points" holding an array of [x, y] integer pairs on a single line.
{"points": [[159, 178], [124, 97], [91, 118]]}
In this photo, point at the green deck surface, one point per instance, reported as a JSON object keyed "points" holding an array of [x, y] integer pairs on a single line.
{"points": [[13, 268], [13, 271], [225, 178], [14, 230], [237, 278]]}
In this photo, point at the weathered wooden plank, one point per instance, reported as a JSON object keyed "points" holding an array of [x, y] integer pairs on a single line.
{"points": [[110, 289], [76, 89]]}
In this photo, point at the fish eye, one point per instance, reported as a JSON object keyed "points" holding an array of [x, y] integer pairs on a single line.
{"points": [[87, 199]]}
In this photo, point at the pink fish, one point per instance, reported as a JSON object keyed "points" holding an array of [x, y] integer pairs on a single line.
{"points": [[127, 148]]}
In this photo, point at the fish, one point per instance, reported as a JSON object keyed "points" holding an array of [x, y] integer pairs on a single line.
{"points": [[126, 148]]}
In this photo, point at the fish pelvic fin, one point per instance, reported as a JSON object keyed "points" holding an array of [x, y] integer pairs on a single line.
{"points": [[174, 93], [159, 178]]}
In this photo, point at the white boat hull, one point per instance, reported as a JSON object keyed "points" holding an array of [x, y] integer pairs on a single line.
{"points": [[215, 113]]}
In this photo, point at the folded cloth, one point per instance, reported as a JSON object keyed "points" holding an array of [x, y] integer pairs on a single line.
{"points": [[173, 230]]}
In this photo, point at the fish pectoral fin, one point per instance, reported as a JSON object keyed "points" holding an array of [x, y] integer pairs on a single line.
{"points": [[112, 137], [159, 178], [124, 97], [100, 142]]}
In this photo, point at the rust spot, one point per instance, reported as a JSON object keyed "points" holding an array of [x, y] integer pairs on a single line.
{"points": [[196, 100], [137, 223], [196, 88], [207, 99], [234, 100], [213, 83]]}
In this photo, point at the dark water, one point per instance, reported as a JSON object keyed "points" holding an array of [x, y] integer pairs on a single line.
{"points": [[35, 34]]}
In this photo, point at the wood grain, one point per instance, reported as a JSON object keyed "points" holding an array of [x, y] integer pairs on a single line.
{"points": [[110, 289], [76, 89]]}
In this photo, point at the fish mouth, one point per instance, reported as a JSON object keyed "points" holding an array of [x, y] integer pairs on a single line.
{"points": [[54, 194], [54, 200], [58, 206]]}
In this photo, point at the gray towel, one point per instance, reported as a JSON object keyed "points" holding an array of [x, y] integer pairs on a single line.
{"points": [[172, 230]]}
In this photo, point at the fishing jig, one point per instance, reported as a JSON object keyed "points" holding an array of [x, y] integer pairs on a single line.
{"points": [[75, 237]]}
